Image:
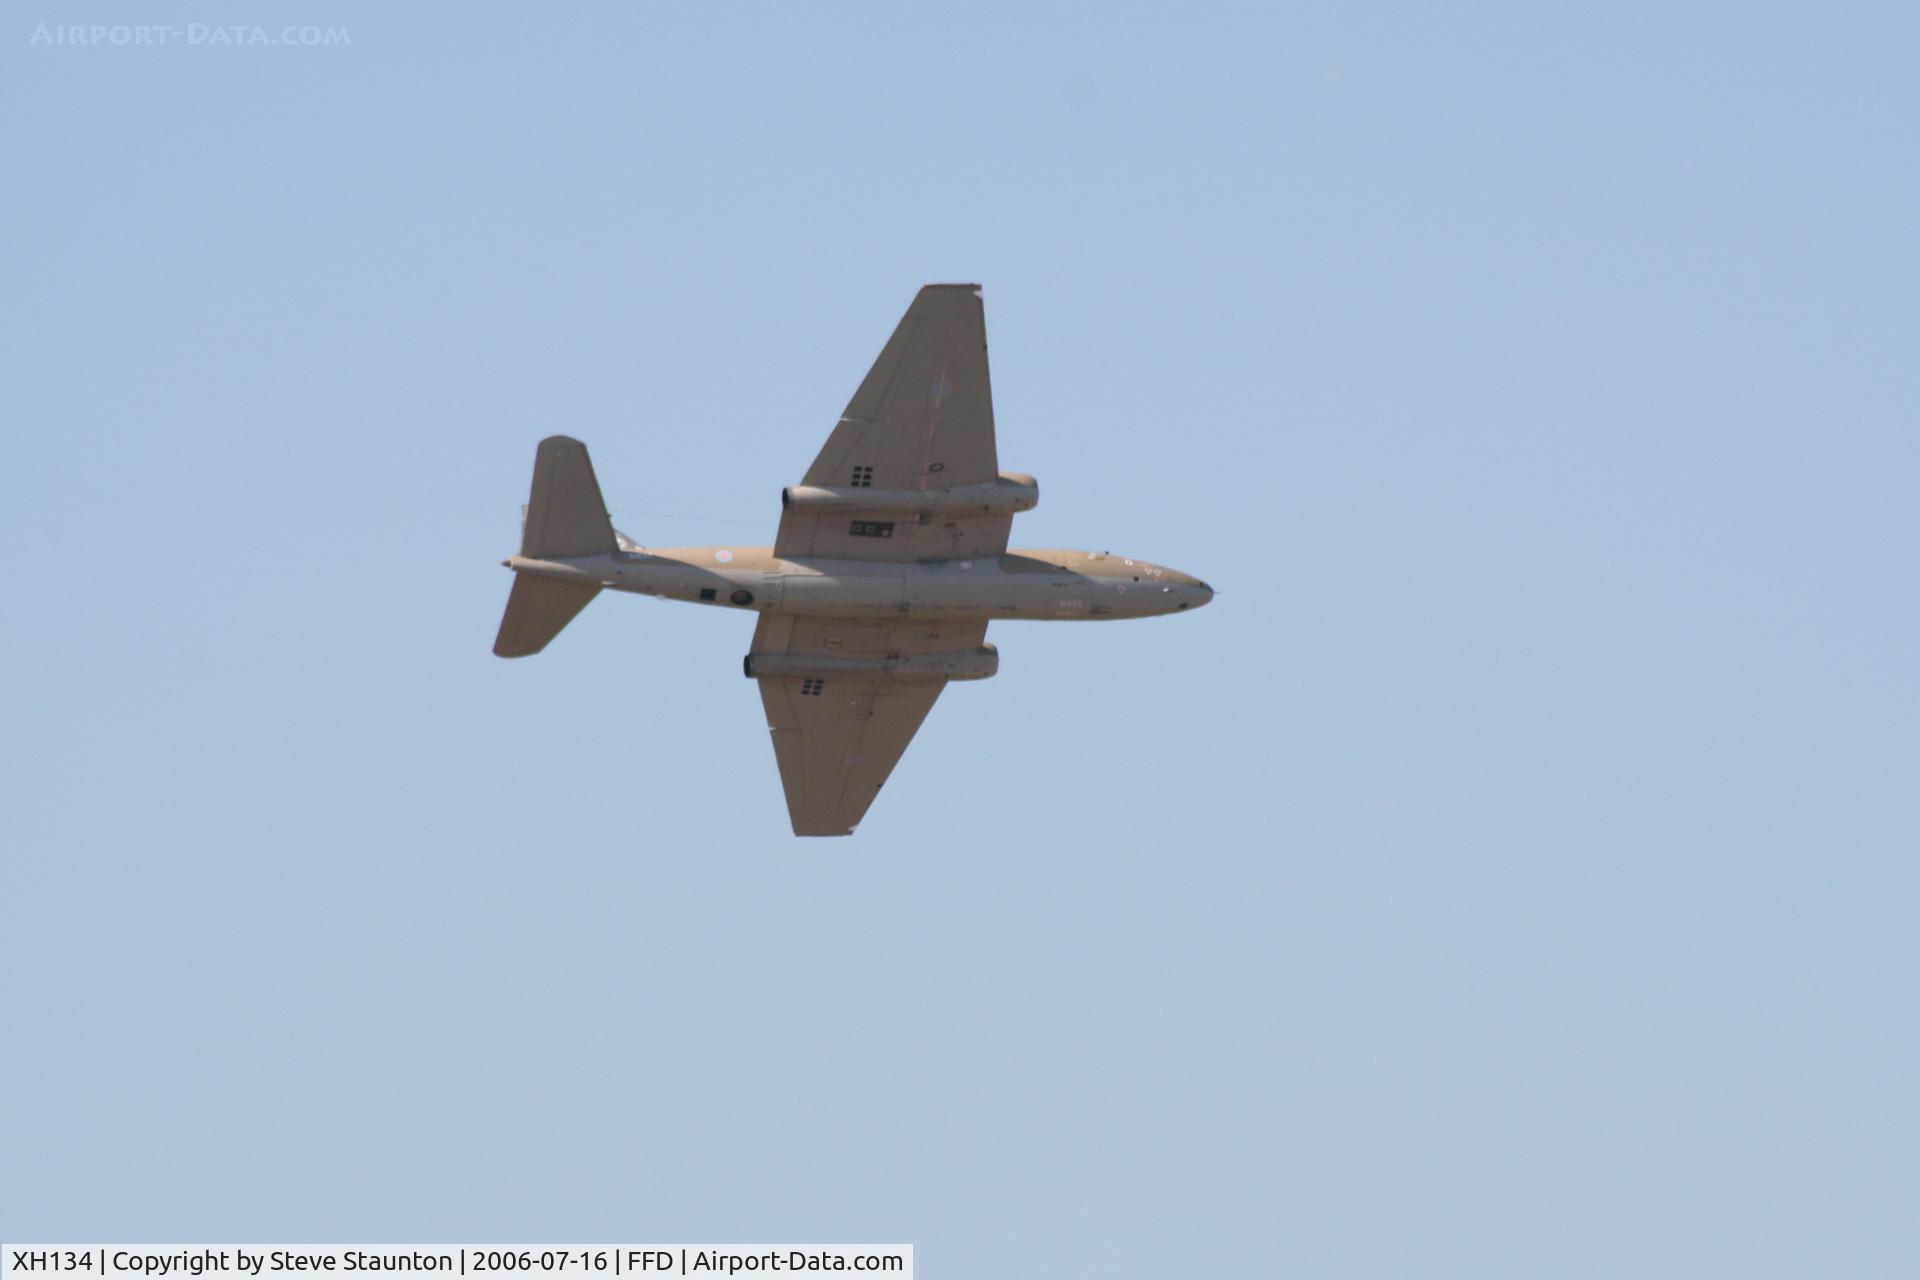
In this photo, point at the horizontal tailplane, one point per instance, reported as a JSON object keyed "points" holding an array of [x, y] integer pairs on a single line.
{"points": [[536, 610]]}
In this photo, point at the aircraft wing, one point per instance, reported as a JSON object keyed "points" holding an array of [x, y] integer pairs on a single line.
{"points": [[838, 738], [922, 419]]}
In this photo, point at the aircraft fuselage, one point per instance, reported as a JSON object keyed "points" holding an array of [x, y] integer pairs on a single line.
{"points": [[1049, 585]]}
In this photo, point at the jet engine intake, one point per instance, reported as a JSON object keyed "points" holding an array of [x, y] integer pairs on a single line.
{"points": [[964, 664], [1010, 492]]}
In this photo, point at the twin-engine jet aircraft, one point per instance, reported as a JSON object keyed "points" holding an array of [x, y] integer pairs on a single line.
{"points": [[890, 561]]}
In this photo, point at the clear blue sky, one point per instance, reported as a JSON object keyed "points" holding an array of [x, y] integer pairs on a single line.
{"points": [[1511, 874]]}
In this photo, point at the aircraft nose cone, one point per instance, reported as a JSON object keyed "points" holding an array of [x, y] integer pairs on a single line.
{"points": [[1194, 594]]}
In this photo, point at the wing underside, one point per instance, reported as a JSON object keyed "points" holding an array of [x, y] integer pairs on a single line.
{"points": [[837, 738], [922, 419]]}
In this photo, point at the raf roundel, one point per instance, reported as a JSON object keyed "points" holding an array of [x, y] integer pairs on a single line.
{"points": [[723, 556]]}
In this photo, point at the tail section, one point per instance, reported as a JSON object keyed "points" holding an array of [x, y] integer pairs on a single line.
{"points": [[565, 517], [536, 610]]}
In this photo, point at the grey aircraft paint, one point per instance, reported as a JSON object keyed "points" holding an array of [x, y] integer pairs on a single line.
{"points": [[891, 560], [1045, 585]]}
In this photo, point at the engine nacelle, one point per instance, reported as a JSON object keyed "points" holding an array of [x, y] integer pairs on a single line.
{"points": [[963, 664], [1009, 492]]}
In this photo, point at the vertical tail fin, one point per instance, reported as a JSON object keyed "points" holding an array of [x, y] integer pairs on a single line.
{"points": [[566, 516]]}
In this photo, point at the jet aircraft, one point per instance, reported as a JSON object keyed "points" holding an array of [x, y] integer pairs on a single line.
{"points": [[890, 561]]}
